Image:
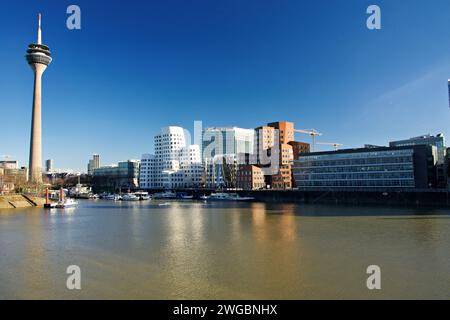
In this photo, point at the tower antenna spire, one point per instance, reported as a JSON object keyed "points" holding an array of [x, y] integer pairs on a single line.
{"points": [[39, 39]]}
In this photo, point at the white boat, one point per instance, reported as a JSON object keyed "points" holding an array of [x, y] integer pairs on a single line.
{"points": [[204, 197], [130, 197], [113, 197], [80, 191], [50, 205], [184, 196], [103, 195], [165, 195], [228, 197], [142, 195], [67, 203]]}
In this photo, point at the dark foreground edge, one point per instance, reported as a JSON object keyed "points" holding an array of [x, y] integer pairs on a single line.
{"points": [[218, 309]]}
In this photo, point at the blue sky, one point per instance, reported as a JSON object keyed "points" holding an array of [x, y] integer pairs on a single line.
{"points": [[136, 66]]}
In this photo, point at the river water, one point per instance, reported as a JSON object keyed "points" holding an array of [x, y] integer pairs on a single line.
{"points": [[197, 250]]}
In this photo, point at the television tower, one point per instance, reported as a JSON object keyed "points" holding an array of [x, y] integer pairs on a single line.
{"points": [[38, 57]]}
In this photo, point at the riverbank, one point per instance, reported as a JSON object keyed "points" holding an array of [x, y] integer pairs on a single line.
{"points": [[20, 201]]}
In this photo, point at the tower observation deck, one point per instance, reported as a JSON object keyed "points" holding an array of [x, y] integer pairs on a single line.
{"points": [[38, 52]]}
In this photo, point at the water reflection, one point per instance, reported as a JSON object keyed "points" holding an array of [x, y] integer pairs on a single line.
{"points": [[196, 250]]}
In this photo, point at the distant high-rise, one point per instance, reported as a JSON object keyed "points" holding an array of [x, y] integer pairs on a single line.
{"points": [[38, 57], [49, 165], [94, 163], [96, 159]]}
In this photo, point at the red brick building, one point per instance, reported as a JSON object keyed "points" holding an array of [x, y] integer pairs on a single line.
{"points": [[280, 134], [250, 177]]}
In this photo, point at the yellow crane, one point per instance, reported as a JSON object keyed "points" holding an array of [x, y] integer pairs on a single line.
{"points": [[334, 144], [312, 132]]}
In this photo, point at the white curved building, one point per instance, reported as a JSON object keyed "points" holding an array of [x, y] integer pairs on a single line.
{"points": [[175, 165]]}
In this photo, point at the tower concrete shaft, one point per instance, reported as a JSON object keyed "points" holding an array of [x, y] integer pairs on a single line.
{"points": [[38, 57], [35, 173]]}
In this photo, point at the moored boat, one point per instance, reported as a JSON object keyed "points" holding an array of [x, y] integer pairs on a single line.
{"points": [[228, 197], [67, 203], [113, 197], [142, 195], [130, 197], [184, 196]]}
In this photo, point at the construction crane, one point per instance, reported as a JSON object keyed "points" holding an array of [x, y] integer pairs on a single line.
{"points": [[335, 145], [313, 133], [5, 156]]}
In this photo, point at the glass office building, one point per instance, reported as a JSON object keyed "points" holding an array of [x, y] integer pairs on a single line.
{"points": [[226, 141], [385, 167], [438, 141], [123, 176]]}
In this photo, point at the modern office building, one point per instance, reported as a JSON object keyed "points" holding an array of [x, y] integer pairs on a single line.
{"points": [[221, 171], [93, 164], [114, 178], [265, 139], [439, 142], [368, 168], [38, 57], [299, 148], [218, 141], [147, 172], [283, 178], [175, 165]]}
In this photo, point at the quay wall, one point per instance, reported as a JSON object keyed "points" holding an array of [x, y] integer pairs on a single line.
{"points": [[405, 197], [20, 201], [394, 198]]}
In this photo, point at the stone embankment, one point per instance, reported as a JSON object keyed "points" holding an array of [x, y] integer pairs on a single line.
{"points": [[20, 201]]}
